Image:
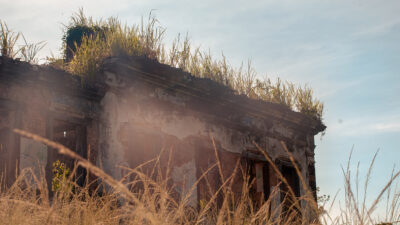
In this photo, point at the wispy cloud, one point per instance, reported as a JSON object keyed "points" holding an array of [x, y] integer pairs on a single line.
{"points": [[364, 126], [377, 29], [387, 127]]}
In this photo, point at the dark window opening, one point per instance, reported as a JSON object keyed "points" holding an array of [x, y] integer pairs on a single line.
{"points": [[72, 136], [4, 146], [266, 179], [288, 200]]}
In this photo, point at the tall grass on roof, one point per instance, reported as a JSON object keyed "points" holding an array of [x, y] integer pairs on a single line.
{"points": [[8, 41], [9, 46], [147, 39]]}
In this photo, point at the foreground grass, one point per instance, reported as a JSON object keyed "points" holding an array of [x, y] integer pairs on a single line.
{"points": [[154, 201]]}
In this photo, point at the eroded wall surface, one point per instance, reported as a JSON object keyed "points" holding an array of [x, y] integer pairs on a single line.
{"points": [[142, 120], [142, 114], [46, 102]]}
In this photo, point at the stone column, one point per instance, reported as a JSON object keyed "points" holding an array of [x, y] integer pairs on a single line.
{"points": [[81, 149], [14, 148], [51, 153]]}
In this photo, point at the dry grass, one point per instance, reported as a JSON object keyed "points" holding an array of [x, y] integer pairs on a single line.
{"points": [[9, 45], [154, 201], [8, 41]]}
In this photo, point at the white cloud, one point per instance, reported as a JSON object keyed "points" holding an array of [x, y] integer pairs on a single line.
{"points": [[364, 126], [387, 127]]}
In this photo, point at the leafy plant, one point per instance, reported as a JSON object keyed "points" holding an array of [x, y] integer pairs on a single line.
{"points": [[322, 201], [60, 175]]}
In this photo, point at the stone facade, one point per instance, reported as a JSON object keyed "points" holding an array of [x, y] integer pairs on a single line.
{"points": [[137, 108]]}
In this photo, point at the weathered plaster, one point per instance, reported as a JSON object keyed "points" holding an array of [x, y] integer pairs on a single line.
{"points": [[184, 178], [140, 107]]}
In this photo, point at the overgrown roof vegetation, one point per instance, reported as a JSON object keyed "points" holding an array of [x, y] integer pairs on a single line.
{"points": [[86, 43]]}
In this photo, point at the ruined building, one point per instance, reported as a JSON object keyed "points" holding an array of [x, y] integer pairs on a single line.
{"points": [[136, 108]]}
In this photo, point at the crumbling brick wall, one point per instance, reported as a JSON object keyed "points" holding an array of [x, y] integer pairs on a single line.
{"points": [[46, 102], [137, 108], [149, 107]]}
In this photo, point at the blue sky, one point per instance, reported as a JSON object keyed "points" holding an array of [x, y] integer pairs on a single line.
{"points": [[347, 51]]}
